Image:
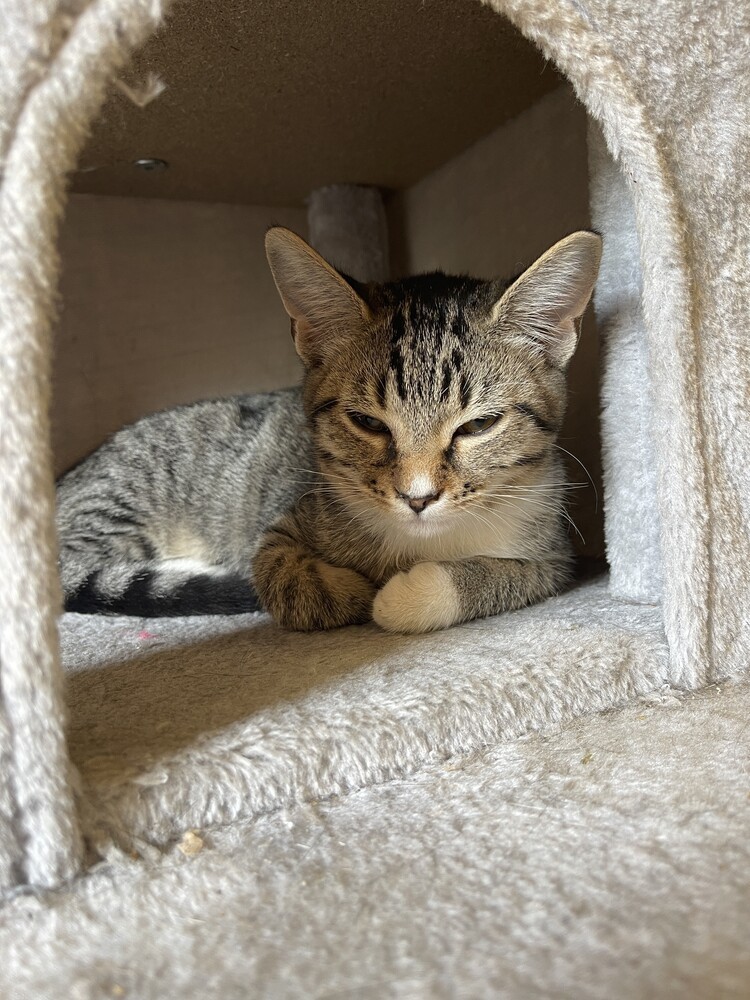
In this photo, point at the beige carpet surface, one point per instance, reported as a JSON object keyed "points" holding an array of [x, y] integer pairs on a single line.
{"points": [[609, 859], [176, 724]]}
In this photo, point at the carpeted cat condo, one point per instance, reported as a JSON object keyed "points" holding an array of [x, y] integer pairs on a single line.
{"points": [[667, 88]]}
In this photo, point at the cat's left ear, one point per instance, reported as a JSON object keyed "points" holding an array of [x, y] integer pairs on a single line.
{"points": [[544, 305]]}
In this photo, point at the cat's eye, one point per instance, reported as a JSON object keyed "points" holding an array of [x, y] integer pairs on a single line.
{"points": [[369, 423], [479, 424]]}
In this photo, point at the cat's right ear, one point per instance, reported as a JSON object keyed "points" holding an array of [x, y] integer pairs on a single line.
{"points": [[322, 305]]}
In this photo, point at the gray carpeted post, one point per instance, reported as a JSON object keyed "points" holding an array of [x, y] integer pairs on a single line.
{"points": [[44, 120], [347, 225]]}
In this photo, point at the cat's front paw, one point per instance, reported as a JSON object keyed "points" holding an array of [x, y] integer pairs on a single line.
{"points": [[423, 599], [305, 593], [321, 596]]}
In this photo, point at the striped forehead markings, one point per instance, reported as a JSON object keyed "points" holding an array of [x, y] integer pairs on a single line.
{"points": [[427, 327], [465, 391], [428, 322], [459, 325], [397, 352], [447, 379]]}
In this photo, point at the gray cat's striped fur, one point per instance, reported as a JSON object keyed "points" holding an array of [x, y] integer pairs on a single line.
{"points": [[412, 478]]}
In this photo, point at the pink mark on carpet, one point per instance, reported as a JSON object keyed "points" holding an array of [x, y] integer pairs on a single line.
{"points": [[147, 635]]}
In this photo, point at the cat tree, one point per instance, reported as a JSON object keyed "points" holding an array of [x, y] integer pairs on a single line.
{"points": [[667, 89]]}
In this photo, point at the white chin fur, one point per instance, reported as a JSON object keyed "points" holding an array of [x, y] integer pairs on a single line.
{"points": [[420, 527], [429, 522], [421, 600]]}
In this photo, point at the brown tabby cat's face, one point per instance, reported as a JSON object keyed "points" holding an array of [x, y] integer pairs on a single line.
{"points": [[429, 396], [429, 412]]}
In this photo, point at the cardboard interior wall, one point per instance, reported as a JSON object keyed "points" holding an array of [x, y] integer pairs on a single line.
{"points": [[671, 96]]}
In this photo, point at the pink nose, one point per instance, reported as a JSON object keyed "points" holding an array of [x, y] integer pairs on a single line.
{"points": [[418, 504]]}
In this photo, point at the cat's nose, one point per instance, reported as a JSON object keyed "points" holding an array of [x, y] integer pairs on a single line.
{"points": [[418, 504]]}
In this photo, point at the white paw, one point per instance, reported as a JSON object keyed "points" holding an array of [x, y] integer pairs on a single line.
{"points": [[422, 600]]}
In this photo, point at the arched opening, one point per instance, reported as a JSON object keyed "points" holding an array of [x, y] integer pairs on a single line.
{"points": [[481, 154]]}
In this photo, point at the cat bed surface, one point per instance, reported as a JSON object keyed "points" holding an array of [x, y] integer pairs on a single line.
{"points": [[606, 859], [192, 723]]}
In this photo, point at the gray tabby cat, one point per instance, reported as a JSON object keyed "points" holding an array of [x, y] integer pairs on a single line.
{"points": [[413, 478]]}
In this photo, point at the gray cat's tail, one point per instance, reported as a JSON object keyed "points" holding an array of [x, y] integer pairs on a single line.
{"points": [[153, 590]]}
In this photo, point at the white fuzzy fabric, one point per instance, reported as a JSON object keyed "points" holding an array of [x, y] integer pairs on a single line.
{"points": [[632, 528], [195, 723], [346, 224], [607, 860]]}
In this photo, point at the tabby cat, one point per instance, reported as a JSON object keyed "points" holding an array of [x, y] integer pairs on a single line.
{"points": [[413, 478]]}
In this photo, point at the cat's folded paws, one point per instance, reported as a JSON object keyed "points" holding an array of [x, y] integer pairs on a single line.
{"points": [[421, 600]]}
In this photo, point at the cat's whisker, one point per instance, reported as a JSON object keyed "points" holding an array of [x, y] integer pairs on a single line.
{"points": [[487, 510], [329, 503], [306, 482], [543, 486], [536, 501], [313, 472], [483, 520], [553, 508], [325, 475], [575, 458], [539, 498], [361, 514]]}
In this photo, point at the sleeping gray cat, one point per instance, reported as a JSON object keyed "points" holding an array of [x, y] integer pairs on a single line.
{"points": [[413, 478]]}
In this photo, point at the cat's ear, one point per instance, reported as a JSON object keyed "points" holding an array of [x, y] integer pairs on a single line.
{"points": [[544, 305], [320, 302]]}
